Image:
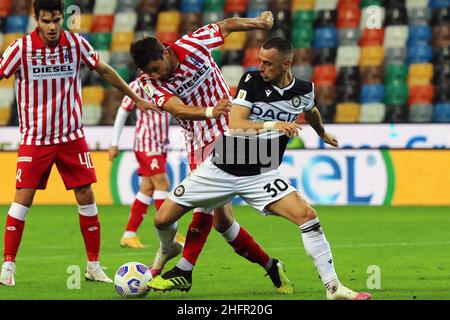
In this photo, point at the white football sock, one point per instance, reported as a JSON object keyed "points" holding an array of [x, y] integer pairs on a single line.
{"points": [[167, 236], [232, 232], [318, 249], [143, 198], [129, 234], [185, 265], [93, 264]]}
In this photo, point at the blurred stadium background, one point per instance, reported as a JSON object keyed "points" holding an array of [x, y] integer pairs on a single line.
{"points": [[382, 79], [372, 61]]}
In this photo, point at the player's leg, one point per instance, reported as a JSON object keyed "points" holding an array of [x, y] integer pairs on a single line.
{"points": [[137, 214], [196, 236], [246, 246], [202, 188], [162, 187], [33, 169], [161, 183], [202, 220], [77, 171], [166, 229], [90, 229], [15, 223], [294, 208], [155, 183]]}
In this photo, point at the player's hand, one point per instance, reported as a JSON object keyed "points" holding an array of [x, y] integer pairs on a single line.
{"points": [[330, 139], [267, 19], [112, 153], [222, 108], [288, 128], [145, 105]]}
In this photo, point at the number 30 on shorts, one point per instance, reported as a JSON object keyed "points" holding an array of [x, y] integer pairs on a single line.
{"points": [[275, 187]]}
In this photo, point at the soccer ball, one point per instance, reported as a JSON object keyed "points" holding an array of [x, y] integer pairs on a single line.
{"points": [[131, 280]]}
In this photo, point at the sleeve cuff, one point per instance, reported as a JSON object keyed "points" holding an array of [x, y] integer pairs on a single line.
{"points": [[243, 103], [4, 76], [220, 33], [96, 63]]}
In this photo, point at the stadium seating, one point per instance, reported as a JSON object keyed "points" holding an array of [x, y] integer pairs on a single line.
{"points": [[422, 112], [373, 112], [371, 75], [442, 112], [5, 8], [347, 112], [302, 71]]}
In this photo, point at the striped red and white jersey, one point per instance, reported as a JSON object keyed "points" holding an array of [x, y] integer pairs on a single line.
{"points": [[152, 132], [48, 86], [197, 81]]}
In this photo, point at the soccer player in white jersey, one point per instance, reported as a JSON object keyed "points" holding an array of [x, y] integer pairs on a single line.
{"points": [[263, 117], [150, 145], [46, 65], [183, 79]]}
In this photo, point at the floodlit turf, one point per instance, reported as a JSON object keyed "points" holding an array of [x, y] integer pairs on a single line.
{"points": [[409, 245]]}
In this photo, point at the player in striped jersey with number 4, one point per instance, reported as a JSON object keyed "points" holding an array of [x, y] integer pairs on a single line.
{"points": [[151, 140], [183, 79], [46, 65]]}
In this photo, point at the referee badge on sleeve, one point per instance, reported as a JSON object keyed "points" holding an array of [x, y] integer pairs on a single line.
{"points": [[179, 191], [242, 94], [148, 90]]}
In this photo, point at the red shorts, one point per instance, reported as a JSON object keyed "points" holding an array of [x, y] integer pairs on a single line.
{"points": [[72, 159], [151, 164]]}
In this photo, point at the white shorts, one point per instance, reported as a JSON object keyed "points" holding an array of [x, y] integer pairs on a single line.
{"points": [[209, 187]]}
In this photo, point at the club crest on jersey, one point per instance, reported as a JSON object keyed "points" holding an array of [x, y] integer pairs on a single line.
{"points": [[296, 101], [66, 55], [179, 191]]}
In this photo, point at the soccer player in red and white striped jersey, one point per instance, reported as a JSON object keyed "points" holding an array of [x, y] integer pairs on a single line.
{"points": [[183, 79], [151, 141], [46, 65]]}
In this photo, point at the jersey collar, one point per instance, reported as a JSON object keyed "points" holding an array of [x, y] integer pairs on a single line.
{"points": [[38, 44], [281, 91]]}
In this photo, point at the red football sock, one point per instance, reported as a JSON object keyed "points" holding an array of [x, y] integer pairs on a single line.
{"points": [[247, 247], [137, 215], [196, 236], [90, 228], [13, 236]]}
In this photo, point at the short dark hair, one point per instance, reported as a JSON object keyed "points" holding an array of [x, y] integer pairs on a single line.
{"points": [[146, 50], [279, 43], [48, 5]]}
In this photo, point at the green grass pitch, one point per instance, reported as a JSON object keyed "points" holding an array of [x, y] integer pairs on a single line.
{"points": [[409, 245]]}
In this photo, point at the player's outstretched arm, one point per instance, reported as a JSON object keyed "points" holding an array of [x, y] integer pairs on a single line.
{"points": [[314, 119], [110, 75], [241, 124], [182, 111], [119, 123], [263, 22]]}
